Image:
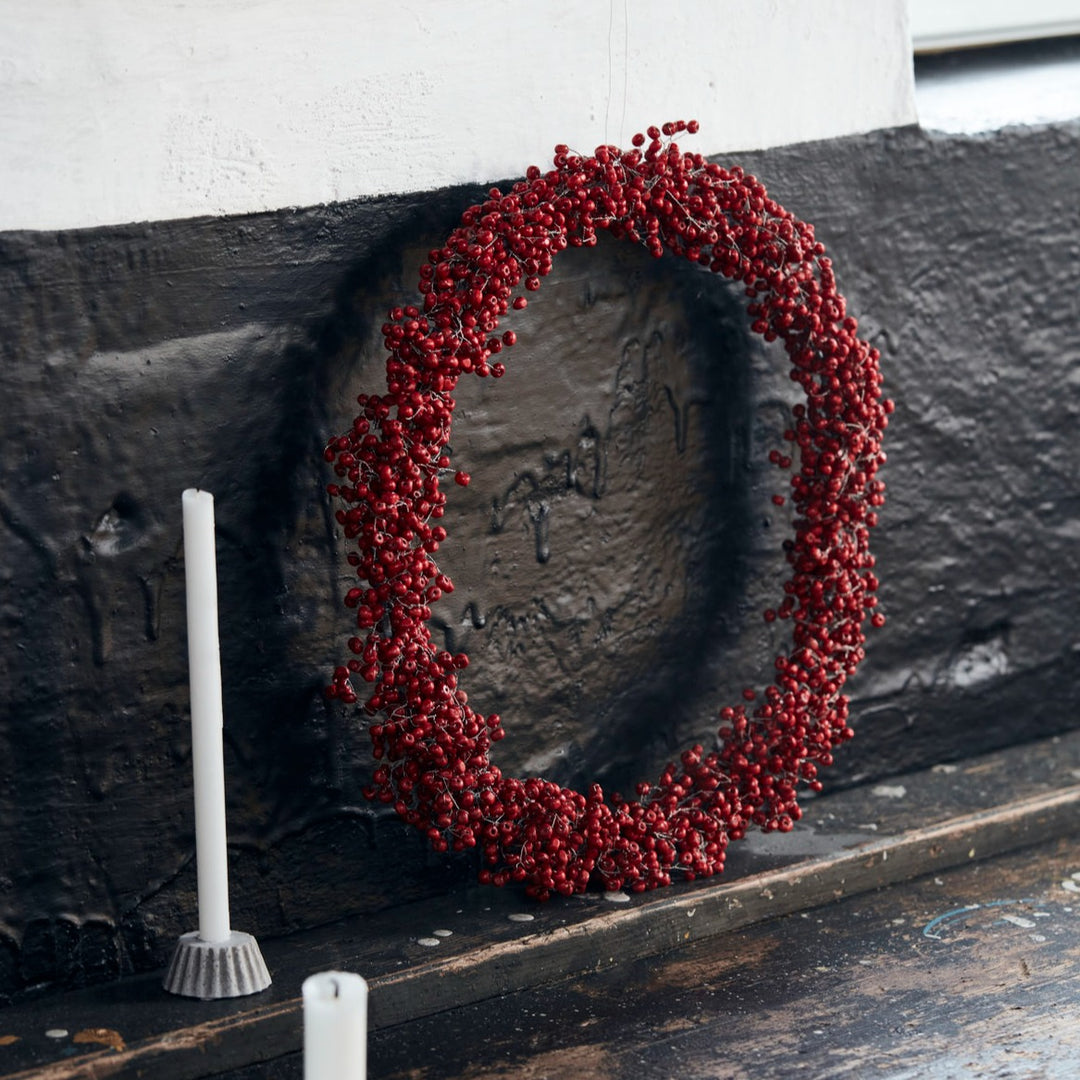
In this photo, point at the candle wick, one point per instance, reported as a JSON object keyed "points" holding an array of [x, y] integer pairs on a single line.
{"points": [[337, 989]]}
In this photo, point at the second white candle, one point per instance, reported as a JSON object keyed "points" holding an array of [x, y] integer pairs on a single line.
{"points": [[335, 1026]]}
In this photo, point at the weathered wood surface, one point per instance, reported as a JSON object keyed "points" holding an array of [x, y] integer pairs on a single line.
{"points": [[849, 844], [974, 972]]}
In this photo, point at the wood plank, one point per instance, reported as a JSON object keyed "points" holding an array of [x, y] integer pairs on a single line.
{"points": [[851, 842]]}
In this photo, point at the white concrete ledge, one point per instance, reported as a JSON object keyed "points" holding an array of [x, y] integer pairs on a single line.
{"points": [[122, 111]]}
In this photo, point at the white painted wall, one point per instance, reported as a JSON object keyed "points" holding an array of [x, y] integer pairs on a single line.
{"points": [[127, 110], [958, 24]]}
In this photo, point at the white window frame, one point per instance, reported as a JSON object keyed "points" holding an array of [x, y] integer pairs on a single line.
{"points": [[937, 25]]}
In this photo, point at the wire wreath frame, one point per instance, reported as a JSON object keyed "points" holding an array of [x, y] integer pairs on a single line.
{"points": [[432, 749]]}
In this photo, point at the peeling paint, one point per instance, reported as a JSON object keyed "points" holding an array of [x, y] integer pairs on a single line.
{"points": [[100, 1036]]}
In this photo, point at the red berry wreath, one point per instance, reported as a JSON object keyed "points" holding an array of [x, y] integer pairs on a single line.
{"points": [[432, 747]]}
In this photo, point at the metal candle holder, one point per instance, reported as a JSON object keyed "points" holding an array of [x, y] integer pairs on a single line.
{"points": [[216, 969]]}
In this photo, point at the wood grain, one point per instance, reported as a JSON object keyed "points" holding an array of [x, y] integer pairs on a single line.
{"points": [[819, 868]]}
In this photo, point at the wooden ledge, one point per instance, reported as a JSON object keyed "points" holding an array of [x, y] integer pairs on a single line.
{"points": [[851, 842]]}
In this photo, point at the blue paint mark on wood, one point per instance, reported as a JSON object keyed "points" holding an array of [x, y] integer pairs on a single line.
{"points": [[929, 930]]}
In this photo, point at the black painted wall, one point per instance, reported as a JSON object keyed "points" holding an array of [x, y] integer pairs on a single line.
{"points": [[611, 556]]}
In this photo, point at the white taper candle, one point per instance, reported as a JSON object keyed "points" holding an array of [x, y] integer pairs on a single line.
{"points": [[204, 665], [335, 1026]]}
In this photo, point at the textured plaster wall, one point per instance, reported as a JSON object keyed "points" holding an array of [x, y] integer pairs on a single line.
{"points": [[119, 110], [612, 553]]}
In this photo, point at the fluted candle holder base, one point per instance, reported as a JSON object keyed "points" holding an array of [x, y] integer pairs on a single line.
{"points": [[216, 969]]}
